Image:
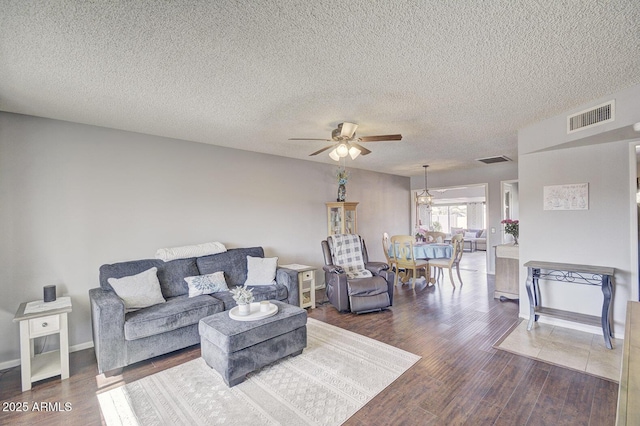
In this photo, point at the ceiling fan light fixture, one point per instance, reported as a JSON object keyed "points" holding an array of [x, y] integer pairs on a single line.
{"points": [[354, 152], [344, 142], [342, 150]]}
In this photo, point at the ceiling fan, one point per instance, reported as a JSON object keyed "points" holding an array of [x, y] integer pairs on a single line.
{"points": [[346, 143]]}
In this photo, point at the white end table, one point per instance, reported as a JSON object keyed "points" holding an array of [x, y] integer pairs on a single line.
{"points": [[38, 319], [306, 284]]}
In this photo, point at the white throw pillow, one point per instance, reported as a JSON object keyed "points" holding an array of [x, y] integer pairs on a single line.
{"points": [[261, 270], [186, 252], [138, 291], [468, 235], [206, 284]]}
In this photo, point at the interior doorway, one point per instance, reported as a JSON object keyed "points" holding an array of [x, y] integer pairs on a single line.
{"points": [[510, 205], [455, 208]]}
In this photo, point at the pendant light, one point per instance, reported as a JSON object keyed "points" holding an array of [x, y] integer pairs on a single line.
{"points": [[424, 198]]}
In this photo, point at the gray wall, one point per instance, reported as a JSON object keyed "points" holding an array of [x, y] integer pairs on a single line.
{"points": [[490, 175], [73, 197], [603, 235]]}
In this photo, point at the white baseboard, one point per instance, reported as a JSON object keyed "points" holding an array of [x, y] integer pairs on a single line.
{"points": [[15, 362]]}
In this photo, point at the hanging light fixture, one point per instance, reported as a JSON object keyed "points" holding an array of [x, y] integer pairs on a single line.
{"points": [[344, 149], [424, 198]]}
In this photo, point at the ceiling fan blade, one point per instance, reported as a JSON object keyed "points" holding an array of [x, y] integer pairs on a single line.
{"points": [[307, 139], [380, 138], [363, 150], [348, 130], [321, 150]]}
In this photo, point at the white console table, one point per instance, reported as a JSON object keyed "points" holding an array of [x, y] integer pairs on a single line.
{"points": [[39, 319]]}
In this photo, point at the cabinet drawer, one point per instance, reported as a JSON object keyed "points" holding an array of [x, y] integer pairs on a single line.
{"points": [[307, 275], [44, 325]]}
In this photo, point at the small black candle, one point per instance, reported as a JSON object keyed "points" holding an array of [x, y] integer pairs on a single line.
{"points": [[49, 293]]}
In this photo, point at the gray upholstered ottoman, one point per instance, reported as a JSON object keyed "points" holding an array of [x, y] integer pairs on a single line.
{"points": [[236, 348]]}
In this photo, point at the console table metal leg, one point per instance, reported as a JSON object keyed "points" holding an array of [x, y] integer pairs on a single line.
{"points": [[606, 303], [532, 309], [536, 290]]}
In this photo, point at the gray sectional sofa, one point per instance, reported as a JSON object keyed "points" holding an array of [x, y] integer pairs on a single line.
{"points": [[122, 338]]}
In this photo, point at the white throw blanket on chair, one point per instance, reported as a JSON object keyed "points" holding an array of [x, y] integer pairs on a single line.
{"points": [[346, 250]]}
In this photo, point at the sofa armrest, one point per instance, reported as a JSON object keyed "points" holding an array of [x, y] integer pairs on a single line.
{"points": [[107, 322], [289, 279]]}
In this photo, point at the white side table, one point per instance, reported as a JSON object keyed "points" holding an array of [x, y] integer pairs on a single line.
{"points": [[38, 319], [306, 284]]}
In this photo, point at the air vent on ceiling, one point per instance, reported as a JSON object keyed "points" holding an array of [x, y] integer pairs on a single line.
{"points": [[592, 117], [491, 160]]}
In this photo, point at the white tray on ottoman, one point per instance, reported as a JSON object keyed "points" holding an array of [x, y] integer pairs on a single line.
{"points": [[236, 348], [255, 312]]}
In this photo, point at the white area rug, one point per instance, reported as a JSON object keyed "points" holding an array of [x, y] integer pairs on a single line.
{"points": [[336, 375]]}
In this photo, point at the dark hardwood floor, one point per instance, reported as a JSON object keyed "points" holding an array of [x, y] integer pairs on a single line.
{"points": [[460, 379]]}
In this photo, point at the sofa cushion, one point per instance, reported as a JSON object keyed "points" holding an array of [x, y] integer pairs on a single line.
{"points": [[170, 274], [206, 284], [261, 270], [138, 291], [176, 313], [477, 232], [233, 263]]}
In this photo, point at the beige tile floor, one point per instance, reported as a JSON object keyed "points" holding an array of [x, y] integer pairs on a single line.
{"points": [[569, 348]]}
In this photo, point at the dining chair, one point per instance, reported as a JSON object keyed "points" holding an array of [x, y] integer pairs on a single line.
{"points": [[457, 241], [405, 258], [401, 273], [386, 247], [435, 237]]}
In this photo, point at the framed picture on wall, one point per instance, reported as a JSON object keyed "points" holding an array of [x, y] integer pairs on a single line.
{"points": [[566, 197]]}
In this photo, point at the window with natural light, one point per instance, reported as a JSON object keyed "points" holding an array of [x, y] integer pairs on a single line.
{"points": [[444, 217]]}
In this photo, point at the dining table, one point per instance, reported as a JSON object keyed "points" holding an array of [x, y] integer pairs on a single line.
{"points": [[423, 250], [429, 250]]}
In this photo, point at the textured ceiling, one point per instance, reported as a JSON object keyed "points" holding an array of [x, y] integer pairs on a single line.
{"points": [[457, 79]]}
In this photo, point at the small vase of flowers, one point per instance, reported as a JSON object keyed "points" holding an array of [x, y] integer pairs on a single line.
{"points": [[343, 176], [512, 227], [243, 297]]}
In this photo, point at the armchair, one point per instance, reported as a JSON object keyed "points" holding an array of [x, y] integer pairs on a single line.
{"points": [[358, 295]]}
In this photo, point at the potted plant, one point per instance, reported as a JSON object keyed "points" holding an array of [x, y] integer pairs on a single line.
{"points": [[243, 297], [512, 227]]}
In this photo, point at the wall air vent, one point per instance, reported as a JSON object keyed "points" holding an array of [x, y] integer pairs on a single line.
{"points": [[491, 160], [592, 117]]}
